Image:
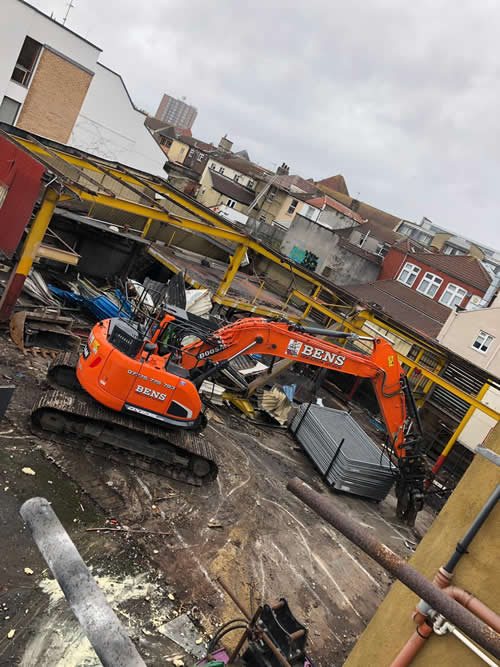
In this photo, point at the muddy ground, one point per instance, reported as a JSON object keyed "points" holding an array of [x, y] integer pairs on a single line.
{"points": [[244, 528]]}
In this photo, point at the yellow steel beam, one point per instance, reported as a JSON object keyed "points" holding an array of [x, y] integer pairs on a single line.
{"points": [[28, 254], [197, 209], [37, 232], [442, 457], [194, 207], [231, 270], [437, 379], [194, 226], [146, 227], [220, 230]]}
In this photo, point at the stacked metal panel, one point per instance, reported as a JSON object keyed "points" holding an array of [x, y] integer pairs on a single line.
{"points": [[346, 456]]}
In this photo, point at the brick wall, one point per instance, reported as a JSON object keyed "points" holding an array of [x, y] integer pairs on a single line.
{"points": [[55, 97], [395, 260]]}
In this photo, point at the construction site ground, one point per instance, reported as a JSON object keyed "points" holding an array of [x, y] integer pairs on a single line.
{"points": [[245, 527]]}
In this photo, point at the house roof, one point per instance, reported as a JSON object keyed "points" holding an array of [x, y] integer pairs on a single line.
{"points": [[60, 25], [365, 210], [325, 200], [231, 189], [243, 166], [336, 183], [197, 143], [409, 245], [294, 184], [404, 305], [244, 154], [466, 268]]}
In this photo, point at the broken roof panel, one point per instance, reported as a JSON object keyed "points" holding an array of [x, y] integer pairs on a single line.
{"points": [[321, 202]]}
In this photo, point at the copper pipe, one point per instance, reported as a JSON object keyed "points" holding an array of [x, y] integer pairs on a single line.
{"points": [[468, 601], [412, 646]]}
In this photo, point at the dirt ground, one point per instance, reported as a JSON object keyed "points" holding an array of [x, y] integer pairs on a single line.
{"points": [[245, 528]]}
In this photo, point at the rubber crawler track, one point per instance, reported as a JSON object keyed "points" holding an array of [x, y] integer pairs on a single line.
{"points": [[79, 408]]}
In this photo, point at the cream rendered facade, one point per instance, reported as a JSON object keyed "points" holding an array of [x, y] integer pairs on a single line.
{"points": [[212, 164], [210, 197], [178, 151], [466, 333]]}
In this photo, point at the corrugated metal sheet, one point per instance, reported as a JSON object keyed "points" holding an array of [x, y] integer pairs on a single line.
{"points": [[347, 458], [446, 401]]}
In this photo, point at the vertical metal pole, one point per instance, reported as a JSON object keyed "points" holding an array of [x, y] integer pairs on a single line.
{"points": [[442, 457], [232, 270], [30, 248], [87, 601], [146, 227]]}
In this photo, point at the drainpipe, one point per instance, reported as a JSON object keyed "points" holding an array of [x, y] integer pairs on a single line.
{"points": [[413, 645], [489, 294], [444, 575]]}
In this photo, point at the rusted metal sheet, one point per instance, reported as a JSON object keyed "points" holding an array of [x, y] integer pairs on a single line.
{"points": [[20, 178]]}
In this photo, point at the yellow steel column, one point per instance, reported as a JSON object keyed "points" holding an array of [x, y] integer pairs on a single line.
{"points": [[315, 294], [458, 431], [419, 356], [232, 270], [146, 227], [28, 254]]}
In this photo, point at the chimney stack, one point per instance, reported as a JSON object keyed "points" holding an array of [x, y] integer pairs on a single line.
{"points": [[225, 144], [284, 170]]}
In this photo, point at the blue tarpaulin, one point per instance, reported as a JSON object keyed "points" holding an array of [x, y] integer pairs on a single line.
{"points": [[102, 307]]}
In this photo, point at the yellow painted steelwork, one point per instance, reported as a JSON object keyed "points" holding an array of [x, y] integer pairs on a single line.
{"points": [[464, 421], [231, 270], [146, 228], [437, 379], [212, 225], [37, 232]]}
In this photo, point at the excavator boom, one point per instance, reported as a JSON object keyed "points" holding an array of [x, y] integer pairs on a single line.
{"points": [[147, 372]]}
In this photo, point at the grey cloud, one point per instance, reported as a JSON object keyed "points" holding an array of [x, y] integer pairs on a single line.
{"points": [[402, 98]]}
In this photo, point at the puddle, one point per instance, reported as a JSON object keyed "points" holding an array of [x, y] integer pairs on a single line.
{"points": [[68, 501]]}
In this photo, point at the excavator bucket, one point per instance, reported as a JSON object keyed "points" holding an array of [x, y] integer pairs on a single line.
{"points": [[45, 331]]}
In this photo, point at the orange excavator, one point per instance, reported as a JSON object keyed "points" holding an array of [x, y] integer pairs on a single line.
{"points": [[141, 396]]}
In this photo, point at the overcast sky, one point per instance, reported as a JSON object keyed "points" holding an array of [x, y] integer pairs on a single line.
{"points": [[401, 98]]}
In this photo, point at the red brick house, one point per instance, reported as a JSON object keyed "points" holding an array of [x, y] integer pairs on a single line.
{"points": [[452, 280]]}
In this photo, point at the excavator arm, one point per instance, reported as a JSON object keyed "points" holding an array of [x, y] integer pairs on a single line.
{"points": [[285, 340], [281, 339]]}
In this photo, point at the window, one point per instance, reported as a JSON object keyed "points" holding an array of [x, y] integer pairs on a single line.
{"points": [[482, 342], [212, 165], [429, 284], [8, 110], [452, 296], [221, 170], [236, 178], [26, 61], [326, 271], [310, 212], [271, 193], [293, 206], [262, 219], [201, 156], [250, 184], [409, 274], [231, 203]]}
